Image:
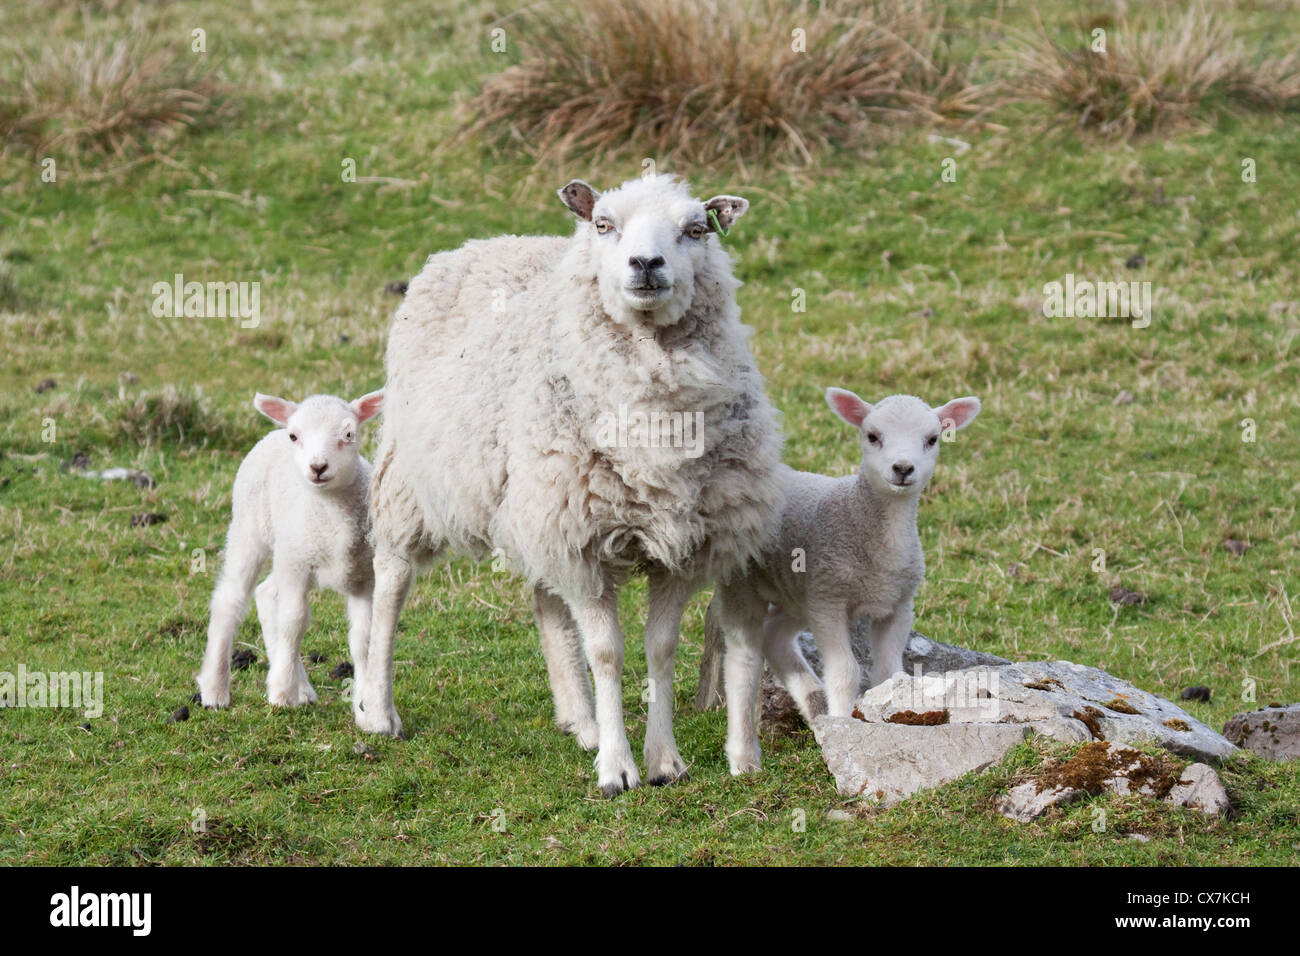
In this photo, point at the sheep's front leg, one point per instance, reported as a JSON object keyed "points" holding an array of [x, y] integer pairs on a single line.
{"points": [[575, 711], [286, 680], [740, 616], [360, 607], [842, 674], [597, 620], [888, 641], [668, 597], [373, 700]]}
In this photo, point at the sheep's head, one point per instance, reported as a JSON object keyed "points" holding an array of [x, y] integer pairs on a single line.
{"points": [[649, 238], [900, 436], [324, 432]]}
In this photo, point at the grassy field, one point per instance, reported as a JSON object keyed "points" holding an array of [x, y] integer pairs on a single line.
{"points": [[1095, 435]]}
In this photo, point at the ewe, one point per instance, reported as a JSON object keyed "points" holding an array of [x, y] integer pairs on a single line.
{"points": [[585, 408], [300, 500], [847, 550]]}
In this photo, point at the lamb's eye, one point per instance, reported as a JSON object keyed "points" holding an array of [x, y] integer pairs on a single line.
{"points": [[347, 437], [603, 226], [293, 438], [695, 230], [929, 442], [873, 437]]}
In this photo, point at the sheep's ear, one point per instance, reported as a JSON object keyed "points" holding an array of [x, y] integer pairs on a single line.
{"points": [[367, 406], [958, 413], [848, 406], [278, 410], [727, 208], [580, 198]]}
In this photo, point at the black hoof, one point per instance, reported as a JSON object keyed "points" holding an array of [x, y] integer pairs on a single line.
{"points": [[664, 779], [612, 790]]}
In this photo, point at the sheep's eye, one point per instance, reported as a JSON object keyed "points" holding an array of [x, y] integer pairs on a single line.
{"points": [[347, 437], [696, 230], [603, 226], [293, 438], [873, 437], [929, 442]]}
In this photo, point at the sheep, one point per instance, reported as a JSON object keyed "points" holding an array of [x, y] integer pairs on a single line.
{"points": [[585, 408], [299, 499], [847, 550]]}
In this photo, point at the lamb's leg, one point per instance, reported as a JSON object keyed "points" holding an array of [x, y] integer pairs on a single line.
{"points": [[265, 599], [783, 654], [359, 611], [244, 558], [373, 706], [286, 680], [575, 709], [597, 620], [740, 615], [888, 641], [668, 597], [842, 673]]}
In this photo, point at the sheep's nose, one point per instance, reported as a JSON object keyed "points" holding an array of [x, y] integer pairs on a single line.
{"points": [[644, 264], [320, 469], [903, 469]]}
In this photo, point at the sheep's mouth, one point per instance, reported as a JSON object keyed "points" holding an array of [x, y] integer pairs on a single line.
{"points": [[902, 482], [319, 480]]}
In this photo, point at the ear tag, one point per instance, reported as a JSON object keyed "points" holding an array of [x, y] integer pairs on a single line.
{"points": [[717, 226]]}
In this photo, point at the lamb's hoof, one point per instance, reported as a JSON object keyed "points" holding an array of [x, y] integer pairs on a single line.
{"points": [[214, 698], [295, 695], [612, 790], [746, 763], [665, 770], [376, 722], [664, 779], [617, 772]]}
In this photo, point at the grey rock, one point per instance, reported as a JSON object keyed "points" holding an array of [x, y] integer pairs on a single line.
{"points": [[1272, 732], [1200, 789], [930, 656], [1026, 802], [886, 763], [1063, 700]]}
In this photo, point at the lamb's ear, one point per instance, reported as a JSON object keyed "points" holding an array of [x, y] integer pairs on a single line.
{"points": [[847, 405], [277, 409], [367, 406], [958, 413], [728, 210], [580, 198]]}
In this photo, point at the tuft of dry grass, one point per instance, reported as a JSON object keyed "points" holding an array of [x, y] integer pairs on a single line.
{"points": [[124, 96], [1161, 69], [707, 80]]}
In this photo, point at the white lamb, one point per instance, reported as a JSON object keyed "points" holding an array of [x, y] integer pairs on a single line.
{"points": [[300, 499], [847, 550], [586, 407]]}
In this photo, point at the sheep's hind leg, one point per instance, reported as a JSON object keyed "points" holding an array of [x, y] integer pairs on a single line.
{"points": [[668, 597], [359, 612], [889, 640], [575, 709], [244, 559], [373, 705], [286, 680], [781, 648], [597, 620]]}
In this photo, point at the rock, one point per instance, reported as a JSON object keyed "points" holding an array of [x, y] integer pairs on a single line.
{"points": [[887, 763], [1200, 788], [1272, 732], [1066, 701], [778, 714], [930, 656], [1027, 802], [839, 816]]}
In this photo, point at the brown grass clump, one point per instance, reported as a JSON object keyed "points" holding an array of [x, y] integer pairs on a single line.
{"points": [[708, 80], [1162, 68], [121, 96]]}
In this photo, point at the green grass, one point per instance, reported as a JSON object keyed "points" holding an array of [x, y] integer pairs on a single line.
{"points": [[912, 283]]}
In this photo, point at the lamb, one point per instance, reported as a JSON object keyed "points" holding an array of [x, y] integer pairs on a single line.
{"points": [[300, 499], [585, 408], [847, 550]]}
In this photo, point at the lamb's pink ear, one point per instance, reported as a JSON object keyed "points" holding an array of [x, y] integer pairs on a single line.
{"points": [[727, 208], [958, 413], [277, 409], [580, 198], [368, 406], [847, 405]]}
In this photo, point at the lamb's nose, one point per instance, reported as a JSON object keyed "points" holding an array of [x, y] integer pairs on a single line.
{"points": [[644, 264], [320, 469], [903, 469]]}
